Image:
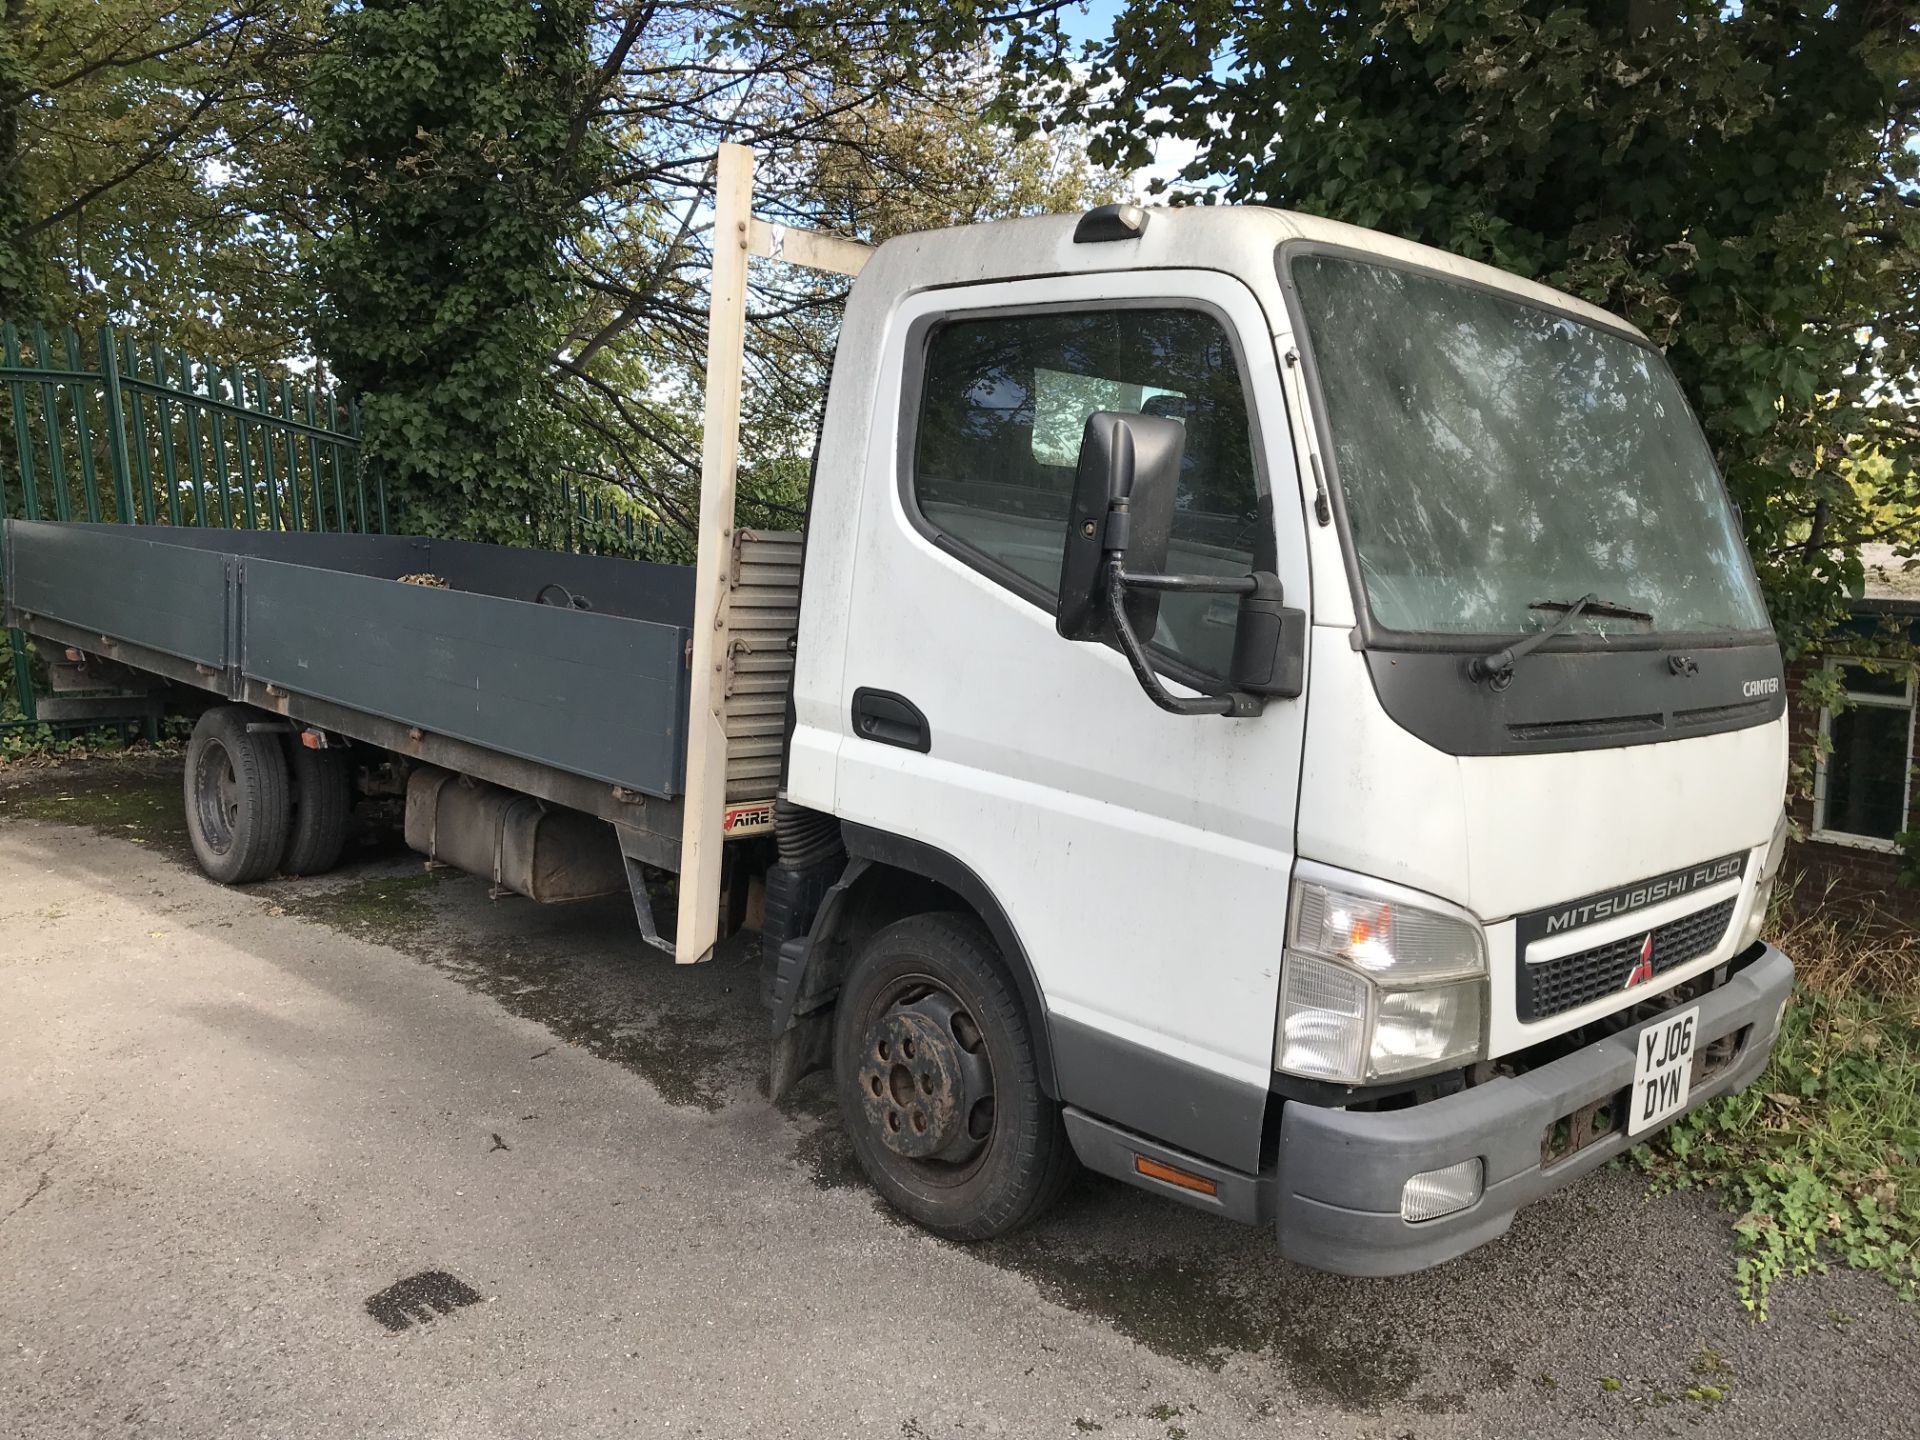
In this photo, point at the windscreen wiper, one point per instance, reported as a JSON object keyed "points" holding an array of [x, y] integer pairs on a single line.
{"points": [[1498, 667]]}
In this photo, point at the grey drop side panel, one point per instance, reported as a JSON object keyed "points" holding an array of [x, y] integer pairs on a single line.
{"points": [[122, 581], [596, 695], [390, 556], [638, 589]]}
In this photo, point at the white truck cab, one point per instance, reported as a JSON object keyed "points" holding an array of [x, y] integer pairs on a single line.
{"points": [[1283, 714]]}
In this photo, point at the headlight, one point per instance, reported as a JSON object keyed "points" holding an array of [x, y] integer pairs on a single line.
{"points": [[1763, 883], [1378, 983]]}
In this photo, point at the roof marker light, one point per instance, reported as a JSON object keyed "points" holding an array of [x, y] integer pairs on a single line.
{"points": [[1110, 222]]}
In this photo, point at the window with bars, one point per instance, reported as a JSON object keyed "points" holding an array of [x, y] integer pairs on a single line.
{"points": [[1864, 780]]}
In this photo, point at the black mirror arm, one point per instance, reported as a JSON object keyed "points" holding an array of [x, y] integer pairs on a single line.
{"points": [[1192, 584], [1233, 703]]}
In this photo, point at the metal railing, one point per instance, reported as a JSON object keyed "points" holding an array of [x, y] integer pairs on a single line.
{"points": [[594, 524], [161, 437], [152, 436], [144, 435]]}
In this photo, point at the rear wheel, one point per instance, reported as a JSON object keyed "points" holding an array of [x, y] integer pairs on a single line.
{"points": [[236, 797], [937, 1079], [321, 790]]}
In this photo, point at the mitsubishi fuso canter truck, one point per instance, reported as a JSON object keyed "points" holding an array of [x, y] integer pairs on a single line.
{"points": [[1276, 714]]}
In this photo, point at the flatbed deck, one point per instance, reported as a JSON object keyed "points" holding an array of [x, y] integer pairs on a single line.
{"points": [[563, 676]]}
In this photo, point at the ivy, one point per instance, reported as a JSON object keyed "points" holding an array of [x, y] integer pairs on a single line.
{"points": [[451, 137], [1821, 1156]]}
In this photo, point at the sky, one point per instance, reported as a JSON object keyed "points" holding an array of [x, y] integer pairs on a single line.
{"points": [[1093, 20]]}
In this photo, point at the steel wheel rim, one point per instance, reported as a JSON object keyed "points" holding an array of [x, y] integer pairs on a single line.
{"points": [[216, 797], [978, 1119]]}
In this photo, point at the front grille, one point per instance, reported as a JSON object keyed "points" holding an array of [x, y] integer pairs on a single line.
{"points": [[1554, 986]]}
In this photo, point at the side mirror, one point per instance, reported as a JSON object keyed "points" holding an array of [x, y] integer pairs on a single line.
{"points": [[1124, 489], [1119, 526]]}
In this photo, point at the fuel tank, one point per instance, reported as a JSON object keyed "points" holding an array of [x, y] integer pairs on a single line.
{"points": [[523, 845]]}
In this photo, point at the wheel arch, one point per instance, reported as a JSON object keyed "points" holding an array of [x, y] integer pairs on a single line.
{"points": [[889, 877]]}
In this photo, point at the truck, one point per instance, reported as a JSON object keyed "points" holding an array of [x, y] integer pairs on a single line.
{"points": [[1266, 711]]}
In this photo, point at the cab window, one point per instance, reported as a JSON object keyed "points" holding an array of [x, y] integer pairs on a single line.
{"points": [[1003, 403]]}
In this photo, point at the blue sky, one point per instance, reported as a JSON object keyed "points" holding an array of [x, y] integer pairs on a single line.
{"points": [[1095, 24]]}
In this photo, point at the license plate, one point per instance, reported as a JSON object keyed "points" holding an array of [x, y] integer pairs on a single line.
{"points": [[1663, 1070]]}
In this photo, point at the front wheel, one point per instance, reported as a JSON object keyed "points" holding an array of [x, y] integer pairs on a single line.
{"points": [[938, 1083]]}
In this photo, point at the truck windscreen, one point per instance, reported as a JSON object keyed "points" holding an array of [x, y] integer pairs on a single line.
{"points": [[1493, 455]]}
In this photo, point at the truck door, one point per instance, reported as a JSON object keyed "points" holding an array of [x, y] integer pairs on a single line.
{"points": [[1141, 858]]}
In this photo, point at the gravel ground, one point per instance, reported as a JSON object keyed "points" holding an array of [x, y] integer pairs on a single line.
{"points": [[375, 1154]]}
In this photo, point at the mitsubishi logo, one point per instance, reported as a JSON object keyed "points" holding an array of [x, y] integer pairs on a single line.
{"points": [[1642, 971]]}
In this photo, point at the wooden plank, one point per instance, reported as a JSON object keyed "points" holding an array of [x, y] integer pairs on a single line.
{"points": [[810, 249], [701, 839]]}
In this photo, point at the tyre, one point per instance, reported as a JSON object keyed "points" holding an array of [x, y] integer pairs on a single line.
{"points": [[236, 796], [321, 791], [938, 1083]]}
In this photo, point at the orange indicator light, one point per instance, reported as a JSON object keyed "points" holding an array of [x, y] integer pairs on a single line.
{"points": [[1159, 1170]]}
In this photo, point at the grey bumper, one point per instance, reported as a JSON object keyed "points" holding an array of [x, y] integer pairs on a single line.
{"points": [[1341, 1172]]}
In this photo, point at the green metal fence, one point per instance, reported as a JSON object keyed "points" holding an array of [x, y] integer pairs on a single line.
{"points": [[117, 431], [145, 435], [604, 522]]}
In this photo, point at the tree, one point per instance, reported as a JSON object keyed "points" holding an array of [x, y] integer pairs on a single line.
{"points": [[865, 120], [491, 217], [152, 169], [454, 140], [919, 159], [1739, 181]]}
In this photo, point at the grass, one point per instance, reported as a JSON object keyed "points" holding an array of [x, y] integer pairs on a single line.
{"points": [[1821, 1156]]}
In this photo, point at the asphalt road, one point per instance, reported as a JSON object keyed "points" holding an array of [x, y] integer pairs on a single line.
{"points": [[374, 1154]]}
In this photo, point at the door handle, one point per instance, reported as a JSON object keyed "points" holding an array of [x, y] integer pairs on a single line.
{"points": [[889, 719]]}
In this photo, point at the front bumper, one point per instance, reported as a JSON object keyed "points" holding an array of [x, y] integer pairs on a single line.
{"points": [[1341, 1172]]}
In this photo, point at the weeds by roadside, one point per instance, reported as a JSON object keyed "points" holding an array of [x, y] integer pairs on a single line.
{"points": [[1822, 1154], [29, 747]]}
